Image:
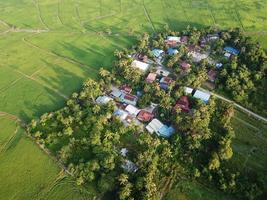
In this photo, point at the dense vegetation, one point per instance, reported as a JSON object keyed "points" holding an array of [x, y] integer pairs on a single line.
{"points": [[87, 138]]}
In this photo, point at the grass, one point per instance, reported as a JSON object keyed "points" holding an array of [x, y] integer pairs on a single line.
{"points": [[27, 173], [250, 143], [39, 70], [191, 191]]}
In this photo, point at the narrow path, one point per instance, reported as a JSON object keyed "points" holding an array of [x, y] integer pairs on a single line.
{"points": [[148, 17], [12, 117], [67, 59], [44, 85], [237, 105], [36, 2]]}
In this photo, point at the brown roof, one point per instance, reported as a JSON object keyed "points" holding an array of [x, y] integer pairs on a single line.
{"points": [[185, 65], [183, 104], [126, 89], [151, 77], [145, 116]]}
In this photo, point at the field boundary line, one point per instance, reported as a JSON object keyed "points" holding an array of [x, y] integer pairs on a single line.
{"points": [[58, 12], [247, 111], [10, 85], [67, 59], [44, 85], [4, 148], [5, 23], [36, 2], [148, 16]]}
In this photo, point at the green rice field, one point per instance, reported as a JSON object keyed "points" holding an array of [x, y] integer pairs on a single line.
{"points": [[49, 47]]}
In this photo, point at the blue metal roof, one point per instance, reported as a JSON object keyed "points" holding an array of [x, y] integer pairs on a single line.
{"points": [[232, 50], [172, 51], [166, 131]]}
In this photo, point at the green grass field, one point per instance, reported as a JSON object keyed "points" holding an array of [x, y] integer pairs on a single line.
{"points": [[56, 45]]}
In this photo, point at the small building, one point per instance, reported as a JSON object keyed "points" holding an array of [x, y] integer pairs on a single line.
{"points": [[121, 114], [166, 131], [124, 152], [174, 39], [145, 116], [129, 99], [156, 126], [157, 53], [218, 65], [151, 77], [129, 166], [212, 37], [165, 82], [183, 104], [103, 99], [204, 96], [140, 65], [185, 66], [132, 110], [115, 93], [126, 89], [227, 55], [197, 56], [188, 90], [231, 50], [172, 51], [162, 71], [212, 75]]}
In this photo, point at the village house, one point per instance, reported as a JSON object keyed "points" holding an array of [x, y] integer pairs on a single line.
{"points": [[158, 53], [156, 126], [212, 75], [115, 93], [151, 77], [162, 71], [140, 65], [172, 51], [165, 82], [103, 99], [126, 89], [204, 96], [132, 110], [185, 66], [188, 90], [197, 56], [145, 116], [129, 99], [183, 104], [231, 51], [172, 41]]}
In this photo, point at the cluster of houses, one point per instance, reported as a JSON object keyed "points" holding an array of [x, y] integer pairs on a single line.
{"points": [[195, 51]]}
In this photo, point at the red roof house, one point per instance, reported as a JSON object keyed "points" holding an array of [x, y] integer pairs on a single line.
{"points": [[151, 77], [185, 66], [183, 104], [145, 116], [212, 75], [126, 89]]}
